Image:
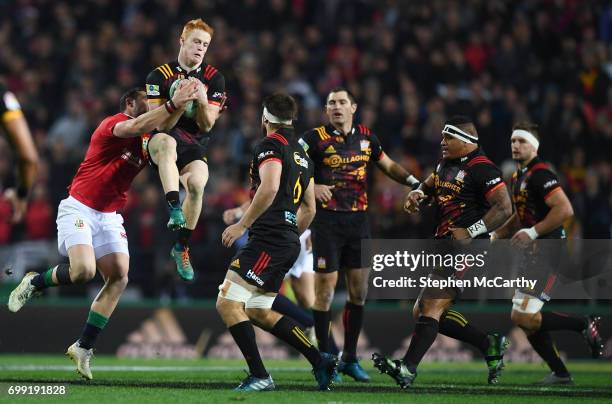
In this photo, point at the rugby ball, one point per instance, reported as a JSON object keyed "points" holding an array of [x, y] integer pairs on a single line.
{"points": [[190, 110]]}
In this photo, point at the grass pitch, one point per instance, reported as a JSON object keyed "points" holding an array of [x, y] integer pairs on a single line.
{"points": [[211, 381]]}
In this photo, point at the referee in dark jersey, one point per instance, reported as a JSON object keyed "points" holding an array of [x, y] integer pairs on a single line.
{"points": [[341, 152]]}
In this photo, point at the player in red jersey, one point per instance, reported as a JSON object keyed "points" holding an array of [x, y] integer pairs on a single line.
{"points": [[90, 232]]}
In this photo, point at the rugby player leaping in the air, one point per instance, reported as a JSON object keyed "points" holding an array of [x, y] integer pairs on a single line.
{"points": [[178, 147]]}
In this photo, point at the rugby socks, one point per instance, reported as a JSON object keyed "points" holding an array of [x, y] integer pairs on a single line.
{"points": [[285, 306], [289, 331], [45, 279], [182, 241], [352, 319], [425, 332], [173, 199], [455, 325], [322, 321], [244, 335], [544, 345], [553, 320], [95, 323]]}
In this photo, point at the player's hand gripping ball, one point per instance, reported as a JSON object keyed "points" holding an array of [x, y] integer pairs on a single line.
{"points": [[191, 107]]}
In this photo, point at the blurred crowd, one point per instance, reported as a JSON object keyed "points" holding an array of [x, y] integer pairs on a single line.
{"points": [[411, 64]]}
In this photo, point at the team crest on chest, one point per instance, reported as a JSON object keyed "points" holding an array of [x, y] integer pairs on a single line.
{"points": [[460, 175], [364, 145]]}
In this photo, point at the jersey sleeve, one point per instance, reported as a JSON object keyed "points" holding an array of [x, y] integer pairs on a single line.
{"points": [[487, 178], [108, 125], [216, 89], [377, 150], [544, 183], [9, 107], [266, 151], [155, 86]]}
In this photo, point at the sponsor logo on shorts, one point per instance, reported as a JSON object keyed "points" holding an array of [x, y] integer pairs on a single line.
{"points": [[250, 274], [235, 263], [79, 224], [321, 264]]}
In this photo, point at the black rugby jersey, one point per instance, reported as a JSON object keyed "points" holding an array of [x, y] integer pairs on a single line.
{"points": [[461, 187], [531, 186], [280, 218], [342, 161], [161, 78]]}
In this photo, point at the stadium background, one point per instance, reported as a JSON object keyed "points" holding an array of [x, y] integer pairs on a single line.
{"points": [[411, 64]]}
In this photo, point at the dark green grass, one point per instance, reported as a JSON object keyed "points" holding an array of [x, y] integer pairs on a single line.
{"points": [[211, 381]]}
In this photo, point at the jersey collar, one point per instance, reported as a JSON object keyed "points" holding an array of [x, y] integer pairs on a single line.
{"points": [[286, 132], [182, 69], [532, 163], [330, 128], [467, 157]]}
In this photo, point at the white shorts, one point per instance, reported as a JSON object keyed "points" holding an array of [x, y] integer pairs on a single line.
{"points": [[252, 299], [304, 262], [525, 303], [79, 224]]}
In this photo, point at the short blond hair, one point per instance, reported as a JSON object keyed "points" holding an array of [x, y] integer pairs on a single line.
{"points": [[196, 24]]}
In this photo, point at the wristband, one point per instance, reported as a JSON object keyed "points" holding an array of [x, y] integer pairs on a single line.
{"points": [[22, 192], [531, 232], [477, 229], [412, 181], [170, 107]]}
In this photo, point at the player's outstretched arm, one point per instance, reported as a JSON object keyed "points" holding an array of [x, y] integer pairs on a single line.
{"points": [[27, 159], [307, 209], [270, 174], [153, 119], [396, 172]]}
